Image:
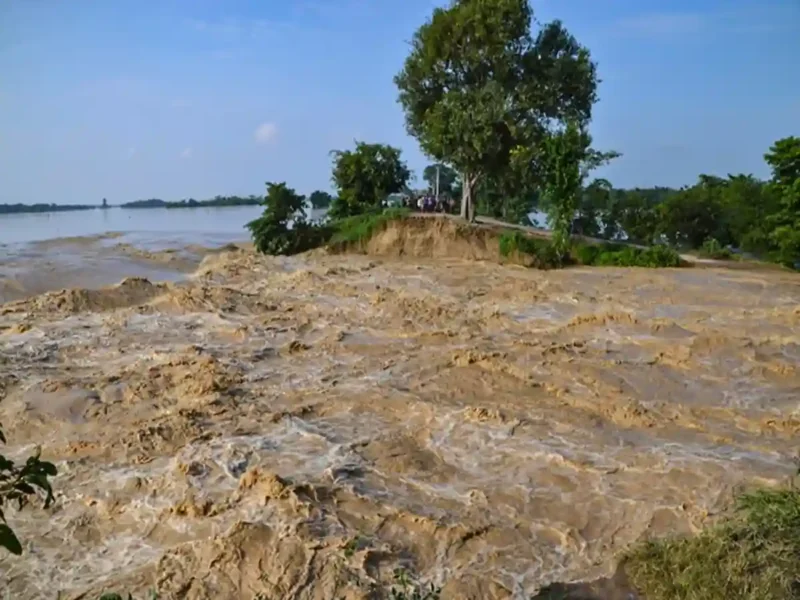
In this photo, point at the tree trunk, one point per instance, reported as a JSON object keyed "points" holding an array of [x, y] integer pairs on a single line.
{"points": [[464, 195], [468, 197]]}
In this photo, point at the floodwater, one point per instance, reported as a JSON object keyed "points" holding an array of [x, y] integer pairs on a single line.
{"points": [[301, 427], [46, 251], [167, 227]]}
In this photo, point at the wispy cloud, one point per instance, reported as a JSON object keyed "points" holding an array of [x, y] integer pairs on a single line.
{"points": [[179, 103], [265, 133], [186, 153], [131, 152]]}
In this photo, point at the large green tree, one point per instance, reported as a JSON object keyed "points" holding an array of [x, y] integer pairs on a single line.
{"points": [[695, 214], [638, 214], [784, 160], [364, 178], [596, 216], [478, 83], [565, 160]]}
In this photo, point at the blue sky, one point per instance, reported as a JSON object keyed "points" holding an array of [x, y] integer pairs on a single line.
{"points": [[133, 99]]}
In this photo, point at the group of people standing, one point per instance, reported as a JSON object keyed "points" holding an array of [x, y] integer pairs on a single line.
{"points": [[428, 203]]}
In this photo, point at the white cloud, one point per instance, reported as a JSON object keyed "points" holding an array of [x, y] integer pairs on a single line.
{"points": [[186, 153], [131, 152], [266, 132]]}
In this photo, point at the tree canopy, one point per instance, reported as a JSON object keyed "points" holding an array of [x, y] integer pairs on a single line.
{"points": [[320, 199], [364, 178], [478, 85], [449, 183], [784, 160]]}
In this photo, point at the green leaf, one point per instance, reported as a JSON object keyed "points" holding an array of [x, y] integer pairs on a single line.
{"points": [[40, 481], [48, 468], [25, 488], [9, 541]]}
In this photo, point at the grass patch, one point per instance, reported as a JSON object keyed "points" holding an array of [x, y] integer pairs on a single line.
{"points": [[360, 228], [752, 555]]}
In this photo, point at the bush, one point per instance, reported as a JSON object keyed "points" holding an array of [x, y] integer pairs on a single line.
{"points": [[586, 254], [283, 229], [752, 555], [713, 249], [619, 255], [541, 251]]}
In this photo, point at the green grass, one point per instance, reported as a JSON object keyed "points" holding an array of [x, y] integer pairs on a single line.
{"points": [[360, 228], [754, 554]]}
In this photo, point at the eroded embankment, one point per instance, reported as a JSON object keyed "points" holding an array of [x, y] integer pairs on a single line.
{"points": [[300, 427], [434, 237]]}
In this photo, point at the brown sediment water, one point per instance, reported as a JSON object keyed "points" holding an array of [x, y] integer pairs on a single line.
{"points": [[301, 427]]}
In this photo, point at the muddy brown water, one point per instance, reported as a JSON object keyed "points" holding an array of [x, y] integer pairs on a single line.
{"points": [[301, 427]]}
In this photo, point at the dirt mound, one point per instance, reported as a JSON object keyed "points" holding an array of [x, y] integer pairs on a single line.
{"points": [[437, 238], [131, 291]]}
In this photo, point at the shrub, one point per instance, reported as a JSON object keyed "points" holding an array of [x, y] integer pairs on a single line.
{"points": [[585, 254], [659, 256], [713, 249], [18, 484], [752, 555], [282, 229], [542, 251], [619, 255]]}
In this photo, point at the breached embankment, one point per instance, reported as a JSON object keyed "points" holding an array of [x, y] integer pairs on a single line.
{"points": [[435, 237], [301, 427]]}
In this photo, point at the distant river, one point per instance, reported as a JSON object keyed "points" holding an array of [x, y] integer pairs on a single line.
{"points": [[206, 226]]}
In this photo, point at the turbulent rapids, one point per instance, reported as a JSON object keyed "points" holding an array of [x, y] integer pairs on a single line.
{"points": [[302, 427]]}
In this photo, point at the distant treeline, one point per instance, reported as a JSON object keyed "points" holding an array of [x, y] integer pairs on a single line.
{"points": [[43, 208], [251, 200]]}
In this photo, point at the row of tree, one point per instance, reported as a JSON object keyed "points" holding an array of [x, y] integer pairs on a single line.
{"points": [[738, 211], [42, 208], [504, 111], [251, 200]]}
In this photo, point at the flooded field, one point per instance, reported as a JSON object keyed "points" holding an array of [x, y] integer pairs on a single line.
{"points": [[301, 427]]}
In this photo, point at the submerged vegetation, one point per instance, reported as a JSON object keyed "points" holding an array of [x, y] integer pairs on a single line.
{"points": [[752, 555]]}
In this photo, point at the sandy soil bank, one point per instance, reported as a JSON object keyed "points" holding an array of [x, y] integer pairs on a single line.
{"points": [[300, 427]]}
